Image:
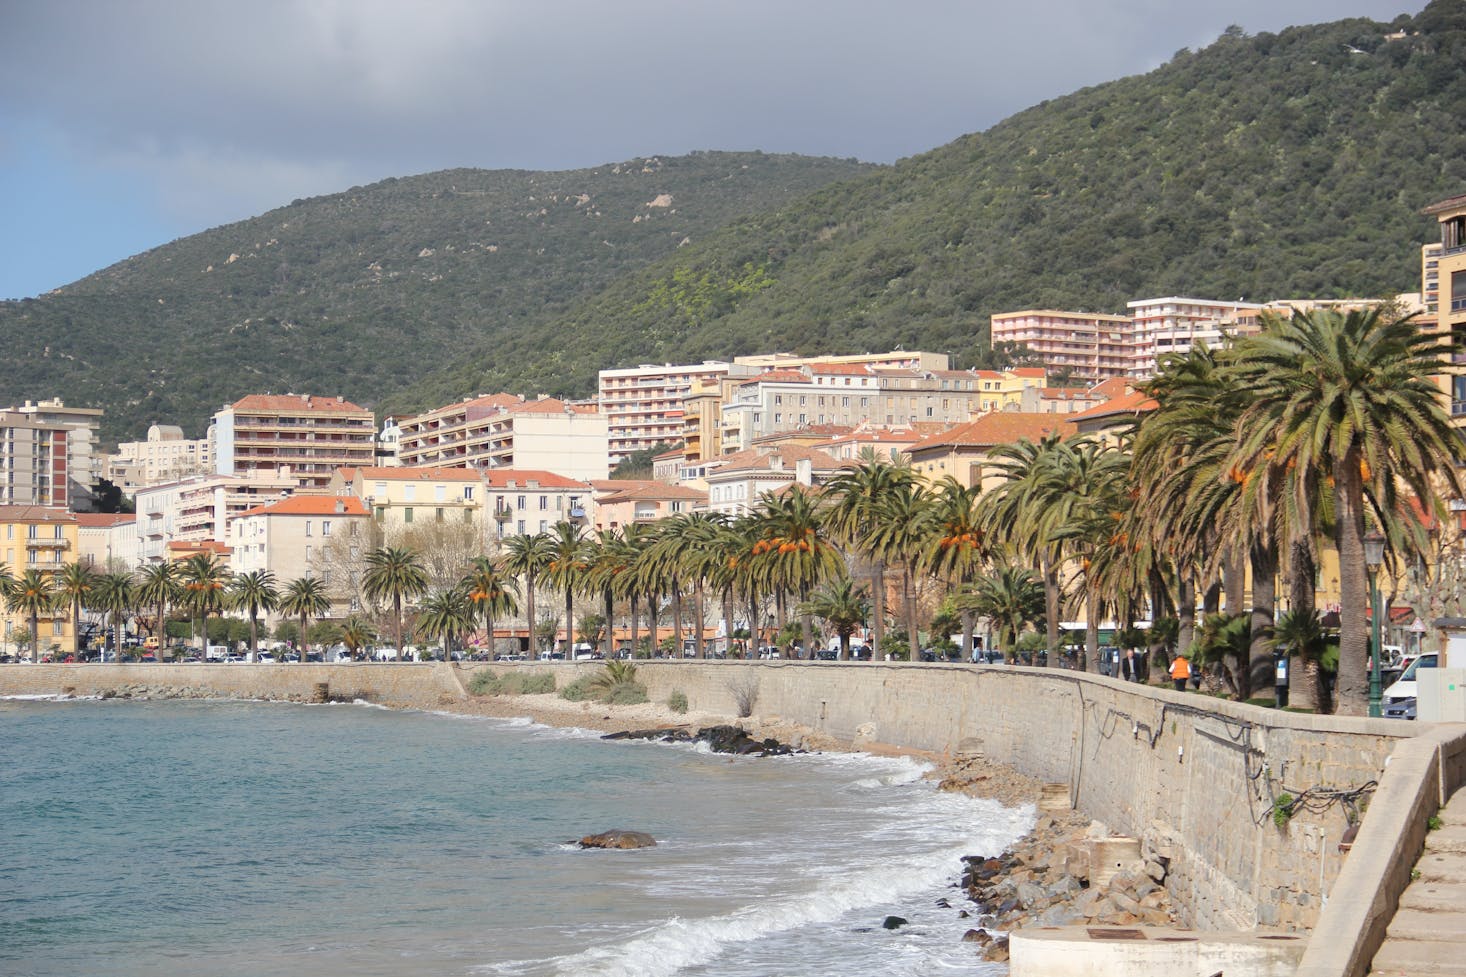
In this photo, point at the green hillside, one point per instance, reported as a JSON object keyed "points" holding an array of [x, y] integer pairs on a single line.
{"points": [[360, 293], [1270, 166]]}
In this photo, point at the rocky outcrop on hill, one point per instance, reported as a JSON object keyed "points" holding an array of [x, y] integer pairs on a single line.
{"points": [[720, 739]]}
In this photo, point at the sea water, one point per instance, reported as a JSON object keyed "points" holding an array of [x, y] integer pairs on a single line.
{"points": [[208, 838]]}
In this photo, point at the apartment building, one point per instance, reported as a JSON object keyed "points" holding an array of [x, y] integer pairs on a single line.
{"points": [[507, 431], [293, 538], [1089, 346], [84, 463], [412, 495], [35, 462], [166, 456], [198, 509], [965, 451], [43, 538], [312, 436], [107, 541], [621, 502], [735, 482], [1174, 324], [644, 405]]}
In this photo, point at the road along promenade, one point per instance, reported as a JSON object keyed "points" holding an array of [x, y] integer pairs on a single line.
{"points": [[1288, 838]]}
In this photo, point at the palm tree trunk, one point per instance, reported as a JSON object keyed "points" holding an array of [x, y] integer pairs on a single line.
{"points": [[529, 611], [806, 625], [610, 622], [76, 631], [677, 619], [1050, 575], [36, 639], [1353, 689], [1302, 595], [254, 636], [635, 624], [1257, 676], [569, 624], [878, 601], [489, 628], [728, 622], [651, 612], [908, 592], [697, 618], [1185, 612], [1091, 630], [397, 622]]}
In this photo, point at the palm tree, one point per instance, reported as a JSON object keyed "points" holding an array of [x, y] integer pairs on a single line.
{"points": [[957, 548], [904, 525], [794, 549], [73, 586], [33, 593], [356, 634], [305, 598], [566, 570], [1011, 597], [114, 595], [204, 580], [1300, 633], [254, 593], [856, 496], [688, 544], [842, 607], [394, 574], [157, 587], [491, 593], [445, 614], [527, 557], [1349, 397]]}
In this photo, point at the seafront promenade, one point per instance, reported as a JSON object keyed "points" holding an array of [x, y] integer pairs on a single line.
{"points": [[1250, 806]]}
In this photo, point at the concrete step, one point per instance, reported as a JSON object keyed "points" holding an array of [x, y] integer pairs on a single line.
{"points": [[1440, 926], [1412, 958], [1455, 810], [1443, 867], [1447, 838], [1433, 897]]}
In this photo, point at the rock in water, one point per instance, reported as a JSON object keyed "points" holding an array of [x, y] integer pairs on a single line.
{"points": [[894, 922], [618, 839]]}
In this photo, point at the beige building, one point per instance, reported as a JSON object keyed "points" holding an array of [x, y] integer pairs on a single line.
{"points": [[965, 452], [735, 482], [35, 462], [532, 501], [621, 502], [166, 456], [645, 405], [84, 463], [199, 509], [409, 496], [1443, 274], [292, 538], [507, 431], [37, 538], [107, 541], [311, 436], [1089, 345]]}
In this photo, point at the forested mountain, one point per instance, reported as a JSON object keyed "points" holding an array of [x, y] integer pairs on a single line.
{"points": [[363, 292], [1269, 166], [1285, 165]]}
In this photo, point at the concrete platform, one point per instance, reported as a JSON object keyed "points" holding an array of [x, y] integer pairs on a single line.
{"points": [[1151, 951]]}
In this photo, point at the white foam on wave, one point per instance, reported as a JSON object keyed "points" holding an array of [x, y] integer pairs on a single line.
{"points": [[672, 946], [48, 697]]}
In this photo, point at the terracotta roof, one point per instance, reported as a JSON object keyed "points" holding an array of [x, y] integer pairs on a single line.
{"points": [[1450, 203], [1133, 402], [547, 405], [104, 519], [35, 513], [641, 489], [778, 376], [841, 369], [1069, 393], [294, 403], [311, 505], [1029, 371], [430, 474], [754, 459], [998, 427], [673, 453], [499, 478], [1111, 388]]}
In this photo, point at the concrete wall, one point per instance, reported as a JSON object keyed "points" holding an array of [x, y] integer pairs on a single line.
{"points": [[1192, 775]]}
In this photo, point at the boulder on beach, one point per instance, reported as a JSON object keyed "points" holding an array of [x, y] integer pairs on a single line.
{"points": [[618, 839]]}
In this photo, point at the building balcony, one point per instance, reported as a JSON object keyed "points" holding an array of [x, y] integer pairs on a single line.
{"points": [[35, 543]]}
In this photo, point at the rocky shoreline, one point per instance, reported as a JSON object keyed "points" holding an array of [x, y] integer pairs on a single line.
{"points": [[1049, 877]]}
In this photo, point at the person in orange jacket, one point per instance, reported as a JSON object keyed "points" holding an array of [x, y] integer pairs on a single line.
{"points": [[1180, 672]]}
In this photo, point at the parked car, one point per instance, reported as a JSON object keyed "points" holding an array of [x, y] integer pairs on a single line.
{"points": [[232, 659], [1404, 687], [1400, 709]]}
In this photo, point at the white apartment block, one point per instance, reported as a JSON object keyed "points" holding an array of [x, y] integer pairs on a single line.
{"points": [[1090, 346], [199, 509], [506, 431], [1174, 324], [289, 538], [166, 456], [643, 405], [736, 481], [107, 541], [311, 435]]}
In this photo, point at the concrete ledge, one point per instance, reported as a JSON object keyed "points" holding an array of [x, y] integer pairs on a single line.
{"points": [[1148, 951], [1364, 897]]}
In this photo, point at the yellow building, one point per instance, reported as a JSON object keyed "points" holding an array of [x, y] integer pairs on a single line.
{"points": [[965, 450], [1443, 282], [45, 539]]}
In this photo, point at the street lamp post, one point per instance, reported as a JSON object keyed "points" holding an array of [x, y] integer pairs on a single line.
{"points": [[1374, 558]]}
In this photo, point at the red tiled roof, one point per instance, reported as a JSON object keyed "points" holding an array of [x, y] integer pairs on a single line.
{"points": [[1029, 371], [35, 513], [294, 402], [752, 459], [645, 490], [311, 505], [1111, 388], [998, 427], [499, 478], [778, 376], [1133, 402], [96, 520], [547, 405]]}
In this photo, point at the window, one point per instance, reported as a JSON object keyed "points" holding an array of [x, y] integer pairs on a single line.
{"points": [[544, 503], [380, 488], [521, 503], [468, 493], [32, 532], [544, 525], [381, 512], [308, 553], [438, 514], [325, 527], [307, 527], [409, 493], [407, 514], [58, 626], [355, 552], [521, 527], [468, 515]]}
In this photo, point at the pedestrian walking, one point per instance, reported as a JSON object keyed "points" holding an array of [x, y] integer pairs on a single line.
{"points": [[1180, 672]]}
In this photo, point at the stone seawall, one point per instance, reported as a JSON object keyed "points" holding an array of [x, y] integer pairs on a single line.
{"points": [[1192, 775]]}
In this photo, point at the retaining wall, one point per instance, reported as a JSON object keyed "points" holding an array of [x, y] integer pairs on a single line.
{"points": [[1193, 776]]}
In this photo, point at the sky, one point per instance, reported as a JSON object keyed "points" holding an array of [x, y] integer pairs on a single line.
{"points": [[126, 125]]}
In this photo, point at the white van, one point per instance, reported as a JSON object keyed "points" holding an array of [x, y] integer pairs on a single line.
{"points": [[1404, 687]]}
